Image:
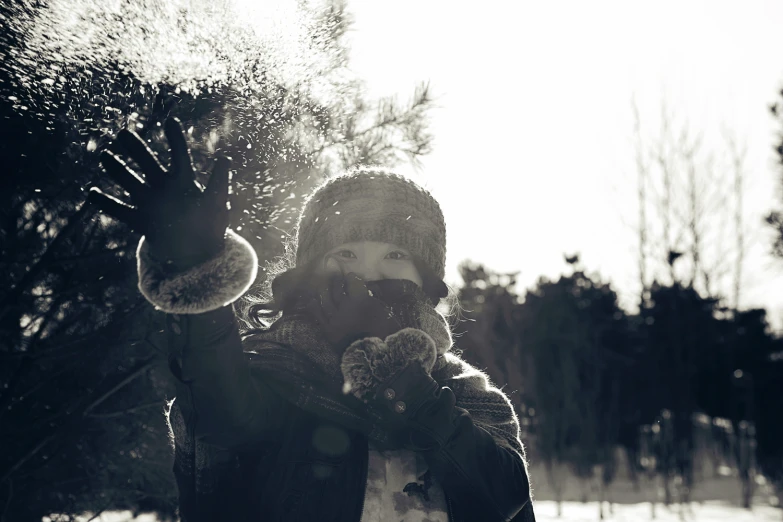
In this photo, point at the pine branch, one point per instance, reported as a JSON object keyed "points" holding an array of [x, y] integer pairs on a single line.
{"points": [[121, 413], [43, 262], [77, 416], [138, 370]]}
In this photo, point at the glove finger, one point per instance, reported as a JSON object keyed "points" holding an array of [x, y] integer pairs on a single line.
{"points": [[217, 187], [135, 148], [337, 290], [326, 297], [446, 398], [115, 208], [181, 166], [316, 312], [355, 287], [441, 408], [124, 176]]}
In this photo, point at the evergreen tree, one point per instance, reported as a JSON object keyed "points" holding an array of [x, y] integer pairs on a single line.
{"points": [[488, 332], [83, 372], [680, 336], [575, 344], [757, 381]]}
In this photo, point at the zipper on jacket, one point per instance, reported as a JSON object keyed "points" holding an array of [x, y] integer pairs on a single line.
{"points": [[364, 475], [361, 504], [449, 509]]}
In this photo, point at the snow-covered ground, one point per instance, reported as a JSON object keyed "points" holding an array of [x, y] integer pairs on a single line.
{"points": [[716, 495], [546, 511], [703, 512]]}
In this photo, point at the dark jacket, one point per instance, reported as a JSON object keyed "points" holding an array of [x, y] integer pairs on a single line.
{"points": [[272, 460]]}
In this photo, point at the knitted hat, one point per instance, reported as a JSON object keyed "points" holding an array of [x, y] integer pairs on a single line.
{"points": [[372, 205]]}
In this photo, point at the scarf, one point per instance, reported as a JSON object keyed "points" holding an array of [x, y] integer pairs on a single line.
{"points": [[292, 357], [296, 360]]}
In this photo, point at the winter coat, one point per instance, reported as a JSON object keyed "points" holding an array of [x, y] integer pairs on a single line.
{"points": [[245, 451], [257, 437]]}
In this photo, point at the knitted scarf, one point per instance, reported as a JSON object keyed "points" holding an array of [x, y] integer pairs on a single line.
{"points": [[296, 360], [292, 357]]}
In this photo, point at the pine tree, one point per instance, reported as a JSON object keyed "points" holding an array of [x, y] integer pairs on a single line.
{"points": [[575, 346], [83, 375]]}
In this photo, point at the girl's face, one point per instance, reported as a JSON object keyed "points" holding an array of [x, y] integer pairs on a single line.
{"points": [[372, 261]]}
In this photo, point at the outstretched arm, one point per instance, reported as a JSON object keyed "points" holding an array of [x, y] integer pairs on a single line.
{"points": [[192, 267], [219, 401], [485, 476]]}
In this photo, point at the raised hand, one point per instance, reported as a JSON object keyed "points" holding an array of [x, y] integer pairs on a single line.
{"points": [[184, 224], [347, 311]]}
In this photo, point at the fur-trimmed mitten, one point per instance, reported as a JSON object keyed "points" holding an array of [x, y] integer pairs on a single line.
{"points": [[189, 262], [485, 480], [369, 362], [393, 378], [207, 286]]}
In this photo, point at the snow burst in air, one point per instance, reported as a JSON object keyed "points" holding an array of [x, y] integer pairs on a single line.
{"points": [[264, 81], [192, 44], [262, 71]]}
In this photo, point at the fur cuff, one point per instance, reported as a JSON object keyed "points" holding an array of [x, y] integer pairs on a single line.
{"points": [[208, 286], [369, 362]]}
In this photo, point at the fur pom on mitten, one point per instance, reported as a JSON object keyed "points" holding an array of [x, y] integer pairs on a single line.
{"points": [[202, 288], [367, 363]]}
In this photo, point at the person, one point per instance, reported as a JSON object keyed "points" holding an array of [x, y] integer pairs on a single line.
{"points": [[346, 403]]}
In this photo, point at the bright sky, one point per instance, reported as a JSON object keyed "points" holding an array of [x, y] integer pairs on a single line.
{"points": [[533, 133]]}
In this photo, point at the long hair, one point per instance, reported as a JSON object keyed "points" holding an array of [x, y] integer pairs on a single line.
{"points": [[258, 308]]}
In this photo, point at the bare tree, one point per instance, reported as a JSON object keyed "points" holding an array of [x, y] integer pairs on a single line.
{"points": [[738, 154], [642, 174], [688, 189], [692, 232], [664, 160], [690, 152]]}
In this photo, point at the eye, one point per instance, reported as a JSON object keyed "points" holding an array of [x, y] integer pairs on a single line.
{"points": [[397, 255], [345, 254]]}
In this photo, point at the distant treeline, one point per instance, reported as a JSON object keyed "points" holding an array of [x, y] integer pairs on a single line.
{"points": [[587, 377]]}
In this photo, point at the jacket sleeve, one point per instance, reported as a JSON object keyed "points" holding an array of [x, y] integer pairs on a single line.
{"points": [[481, 474], [485, 476], [478, 459], [219, 402]]}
